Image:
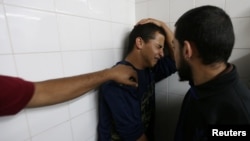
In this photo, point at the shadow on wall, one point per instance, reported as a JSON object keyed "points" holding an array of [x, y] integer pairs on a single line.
{"points": [[242, 65], [241, 55], [125, 45], [167, 114]]}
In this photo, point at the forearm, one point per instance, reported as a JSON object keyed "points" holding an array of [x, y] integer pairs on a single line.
{"points": [[169, 40], [59, 90], [142, 138]]}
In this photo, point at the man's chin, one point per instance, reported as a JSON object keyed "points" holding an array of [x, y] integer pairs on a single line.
{"points": [[153, 64]]}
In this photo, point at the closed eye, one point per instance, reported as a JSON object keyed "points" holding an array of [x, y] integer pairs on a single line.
{"points": [[160, 46]]}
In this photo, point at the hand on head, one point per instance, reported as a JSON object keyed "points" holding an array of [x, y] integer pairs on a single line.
{"points": [[151, 20], [169, 33]]}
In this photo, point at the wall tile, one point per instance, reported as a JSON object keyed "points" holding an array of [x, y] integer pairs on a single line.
{"points": [[119, 12], [173, 109], [172, 85], [141, 11], [32, 31], [7, 65], [179, 7], [120, 34], [61, 132], [74, 33], [93, 138], [84, 126], [218, 3], [238, 9], [42, 119], [83, 104], [103, 59], [75, 63], [162, 86], [14, 128], [177, 87], [119, 54], [131, 13], [38, 67], [101, 35], [74, 7], [100, 9], [4, 36], [159, 10], [40, 4], [88, 8], [241, 57], [139, 1], [242, 32]]}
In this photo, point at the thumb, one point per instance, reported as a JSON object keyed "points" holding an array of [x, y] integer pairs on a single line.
{"points": [[132, 83]]}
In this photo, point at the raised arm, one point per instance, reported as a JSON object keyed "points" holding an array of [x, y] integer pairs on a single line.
{"points": [[60, 90]]}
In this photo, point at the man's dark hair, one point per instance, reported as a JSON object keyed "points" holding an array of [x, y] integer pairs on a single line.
{"points": [[146, 32], [210, 29]]}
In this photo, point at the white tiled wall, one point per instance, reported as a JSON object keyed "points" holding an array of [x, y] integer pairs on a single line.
{"points": [[169, 98], [46, 39]]}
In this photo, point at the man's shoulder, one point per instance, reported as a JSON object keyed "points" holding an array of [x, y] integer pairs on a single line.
{"points": [[114, 87]]}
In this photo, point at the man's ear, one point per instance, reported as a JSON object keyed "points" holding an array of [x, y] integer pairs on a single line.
{"points": [[139, 42], [187, 50]]}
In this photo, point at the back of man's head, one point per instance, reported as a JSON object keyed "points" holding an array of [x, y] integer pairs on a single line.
{"points": [[210, 29]]}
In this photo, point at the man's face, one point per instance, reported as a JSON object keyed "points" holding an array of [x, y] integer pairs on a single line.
{"points": [[152, 50], [183, 68]]}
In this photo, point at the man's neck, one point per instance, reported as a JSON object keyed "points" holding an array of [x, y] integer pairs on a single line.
{"points": [[135, 61], [205, 73]]}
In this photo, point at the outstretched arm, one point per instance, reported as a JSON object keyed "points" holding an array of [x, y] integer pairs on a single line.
{"points": [[60, 90]]}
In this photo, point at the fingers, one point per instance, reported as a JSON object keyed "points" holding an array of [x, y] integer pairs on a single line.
{"points": [[124, 74], [149, 20], [143, 21], [132, 83], [133, 79]]}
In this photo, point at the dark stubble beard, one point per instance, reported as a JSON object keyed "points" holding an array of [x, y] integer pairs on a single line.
{"points": [[184, 70]]}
